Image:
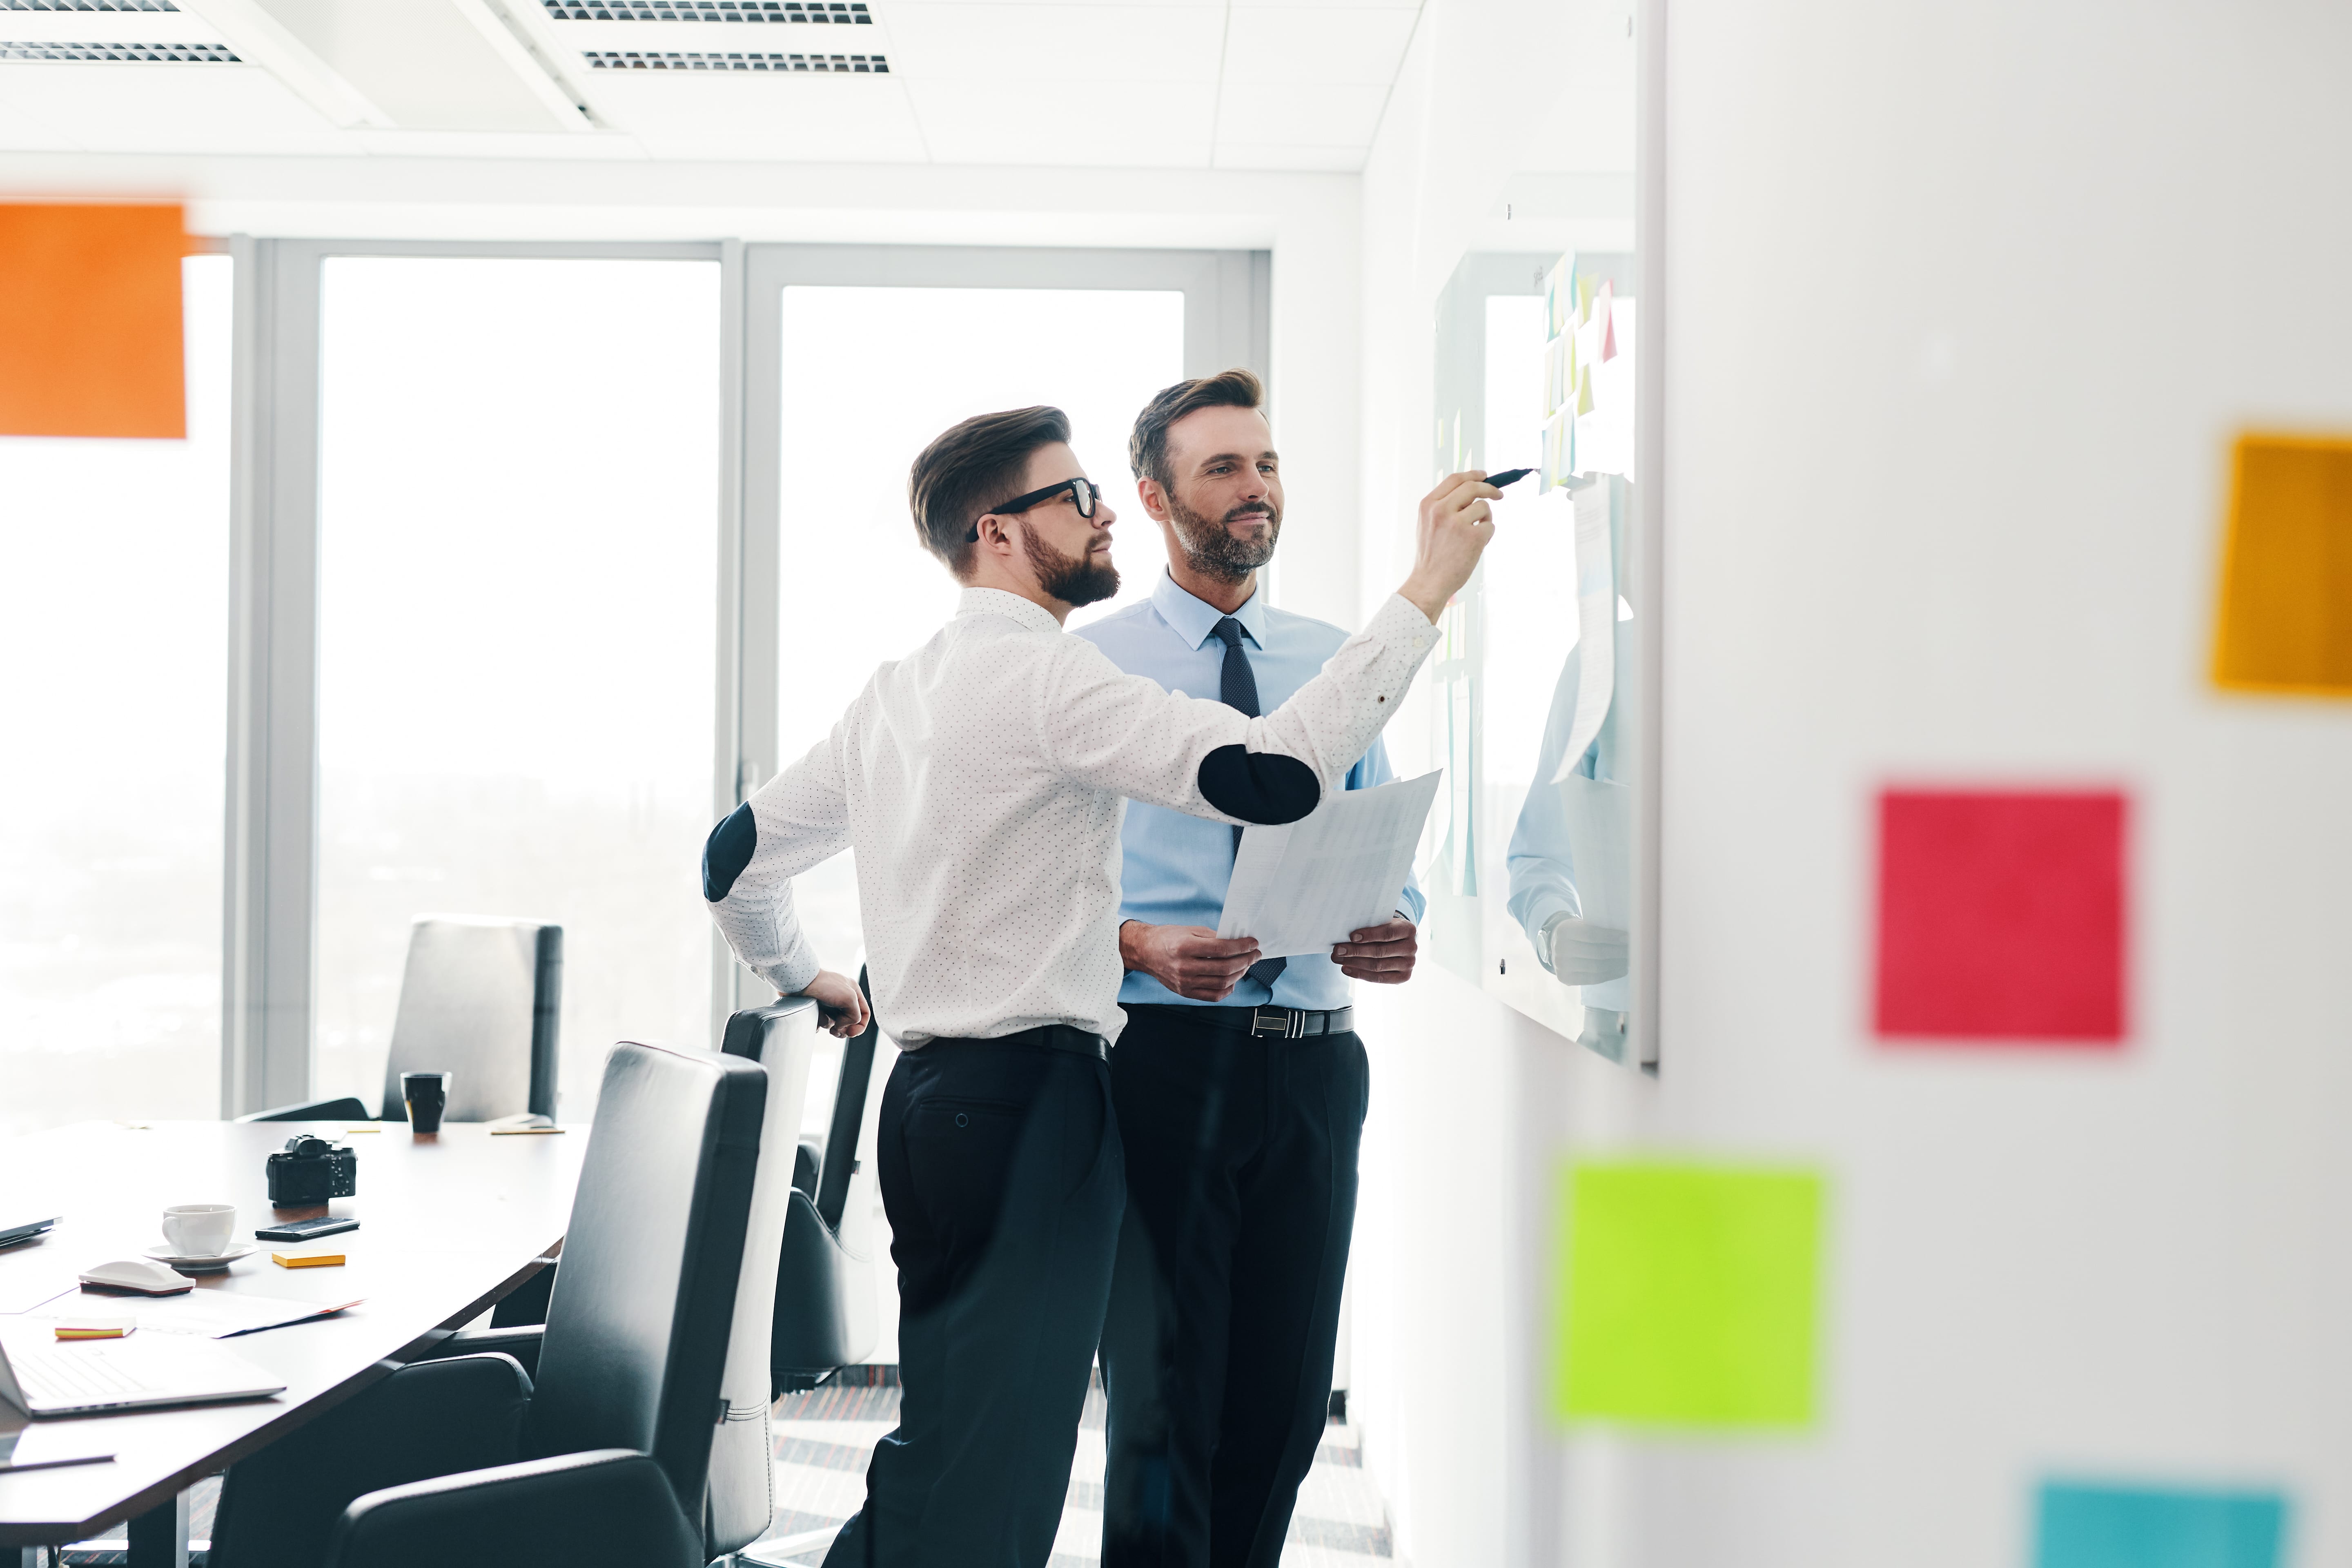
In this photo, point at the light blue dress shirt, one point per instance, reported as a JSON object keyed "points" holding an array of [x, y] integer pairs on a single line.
{"points": [[1177, 866]]}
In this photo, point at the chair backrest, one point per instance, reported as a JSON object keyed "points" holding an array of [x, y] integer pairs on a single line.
{"points": [[479, 999], [848, 1116], [741, 1502], [636, 1345]]}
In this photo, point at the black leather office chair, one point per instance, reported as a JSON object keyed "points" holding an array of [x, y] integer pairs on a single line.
{"points": [[480, 998], [602, 1457], [824, 1310]]}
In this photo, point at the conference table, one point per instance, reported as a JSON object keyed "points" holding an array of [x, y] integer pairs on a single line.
{"points": [[450, 1223]]}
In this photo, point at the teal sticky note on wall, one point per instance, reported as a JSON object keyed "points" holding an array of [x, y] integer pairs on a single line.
{"points": [[2089, 1524]]}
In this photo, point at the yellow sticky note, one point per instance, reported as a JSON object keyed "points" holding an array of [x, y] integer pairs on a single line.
{"points": [[2285, 623], [314, 1260], [1584, 391]]}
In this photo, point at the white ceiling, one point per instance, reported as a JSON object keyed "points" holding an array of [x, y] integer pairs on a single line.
{"points": [[1243, 84]]}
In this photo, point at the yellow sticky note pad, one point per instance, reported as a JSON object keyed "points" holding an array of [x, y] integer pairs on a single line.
{"points": [[2285, 622], [94, 1328], [312, 1260]]}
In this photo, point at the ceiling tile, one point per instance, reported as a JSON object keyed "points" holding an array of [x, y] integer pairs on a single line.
{"points": [[1117, 124], [1241, 5], [812, 119], [106, 108], [1075, 48], [1300, 115], [105, 28], [1310, 160], [1286, 45]]}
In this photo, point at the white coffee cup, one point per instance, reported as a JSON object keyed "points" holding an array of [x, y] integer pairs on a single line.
{"points": [[199, 1230]]}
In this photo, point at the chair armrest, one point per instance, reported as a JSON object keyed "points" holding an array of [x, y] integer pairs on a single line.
{"points": [[607, 1508], [519, 1340], [347, 1109], [280, 1507]]}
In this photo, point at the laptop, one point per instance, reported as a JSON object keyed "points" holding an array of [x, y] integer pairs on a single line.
{"points": [[17, 1227], [80, 1377]]}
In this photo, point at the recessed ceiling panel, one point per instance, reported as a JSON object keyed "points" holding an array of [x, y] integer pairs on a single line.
{"points": [[1073, 52], [1116, 125], [1291, 45], [184, 108], [428, 64], [799, 119], [1299, 115]]}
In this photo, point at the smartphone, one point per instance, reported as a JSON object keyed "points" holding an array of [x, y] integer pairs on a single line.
{"points": [[305, 1229], [1508, 477]]}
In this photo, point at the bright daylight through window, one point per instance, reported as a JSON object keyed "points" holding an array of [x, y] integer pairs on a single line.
{"points": [[518, 500], [113, 612]]}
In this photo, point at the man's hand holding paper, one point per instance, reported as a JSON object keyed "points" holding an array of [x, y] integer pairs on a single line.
{"points": [[1325, 880]]}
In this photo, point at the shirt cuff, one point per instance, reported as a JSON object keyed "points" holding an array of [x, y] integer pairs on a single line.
{"points": [[791, 974]]}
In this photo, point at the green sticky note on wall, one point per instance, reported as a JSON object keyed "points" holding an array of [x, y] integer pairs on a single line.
{"points": [[1689, 1295]]}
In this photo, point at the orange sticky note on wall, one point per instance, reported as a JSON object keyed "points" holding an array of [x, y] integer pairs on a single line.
{"points": [[2286, 573], [90, 320]]}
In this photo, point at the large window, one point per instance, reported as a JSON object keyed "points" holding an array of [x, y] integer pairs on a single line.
{"points": [[518, 463], [113, 620], [870, 376]]}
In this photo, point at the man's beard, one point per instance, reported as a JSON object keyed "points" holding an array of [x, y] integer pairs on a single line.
{"points": [[1211, 547], [1073, 580]]}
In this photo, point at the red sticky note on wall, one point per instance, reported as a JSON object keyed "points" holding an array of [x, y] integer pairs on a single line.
{"points": [[90, 320], [2001, 916]]}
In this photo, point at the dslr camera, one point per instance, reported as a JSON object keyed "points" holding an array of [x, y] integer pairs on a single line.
{"points": [[311, 1170]]}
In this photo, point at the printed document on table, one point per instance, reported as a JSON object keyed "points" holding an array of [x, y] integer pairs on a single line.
{"points": [[1304, 886], [208, 1314]]}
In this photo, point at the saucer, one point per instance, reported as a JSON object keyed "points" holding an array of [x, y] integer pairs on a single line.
{"points": [[212, 1264]]}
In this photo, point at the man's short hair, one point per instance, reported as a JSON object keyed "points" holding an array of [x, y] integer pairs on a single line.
{"points": [[970, 468], [1147, 448]]}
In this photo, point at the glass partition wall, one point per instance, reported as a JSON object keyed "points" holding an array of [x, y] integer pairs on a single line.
{"points": [[510, 553]]}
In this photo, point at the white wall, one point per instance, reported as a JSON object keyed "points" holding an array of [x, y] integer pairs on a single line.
{"points": [[1500, 104], [1965, 306]]}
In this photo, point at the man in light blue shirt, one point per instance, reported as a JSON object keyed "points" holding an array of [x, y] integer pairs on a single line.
{"points": [[1239, 1082]]}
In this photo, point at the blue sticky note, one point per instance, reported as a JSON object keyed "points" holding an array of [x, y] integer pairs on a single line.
{"points": [[2084, 1524]]}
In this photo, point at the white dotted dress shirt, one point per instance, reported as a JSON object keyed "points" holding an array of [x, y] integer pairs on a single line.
{"points": [[981, 781]]}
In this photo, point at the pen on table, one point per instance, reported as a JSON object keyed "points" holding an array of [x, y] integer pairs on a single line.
{"points": [[7, 1464]]}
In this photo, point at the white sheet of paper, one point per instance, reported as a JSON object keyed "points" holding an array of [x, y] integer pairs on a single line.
{"points": [[209, 1314], [1302, 887], [1596, 624]]}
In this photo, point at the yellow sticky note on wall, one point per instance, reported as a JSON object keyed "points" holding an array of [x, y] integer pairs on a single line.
{"points": [[90, 320], [2285, 622]]}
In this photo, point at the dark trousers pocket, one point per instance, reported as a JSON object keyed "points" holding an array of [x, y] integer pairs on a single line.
{"points": [[959, 1151]]}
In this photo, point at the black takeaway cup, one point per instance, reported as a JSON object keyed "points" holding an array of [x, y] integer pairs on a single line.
{"points": [[427, 1095]]}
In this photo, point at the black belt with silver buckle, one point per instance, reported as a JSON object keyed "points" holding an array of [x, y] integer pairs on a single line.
{"points": [[1267, 1023]]}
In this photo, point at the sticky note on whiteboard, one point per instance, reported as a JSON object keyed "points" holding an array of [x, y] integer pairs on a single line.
{"points": [[2285, 621], [2080, 1524], [1687, 1295], [91, 345]]}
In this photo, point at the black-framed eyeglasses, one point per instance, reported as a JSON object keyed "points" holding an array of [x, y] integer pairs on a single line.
{"points": [[1085, 494]]}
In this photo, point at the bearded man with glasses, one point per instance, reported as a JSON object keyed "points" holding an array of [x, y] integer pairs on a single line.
{"points": [[981, 781]]}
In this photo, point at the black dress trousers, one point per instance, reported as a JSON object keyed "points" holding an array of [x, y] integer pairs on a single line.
{"points": [[999, 1164], [1241, 1198]]}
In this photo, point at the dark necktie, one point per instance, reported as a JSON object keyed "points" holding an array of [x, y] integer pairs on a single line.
{"points": [[1237, 688]]}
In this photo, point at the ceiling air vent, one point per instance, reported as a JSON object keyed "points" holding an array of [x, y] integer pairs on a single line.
{"points": [[87, 5], [841, 13], [671, 60], [162, 54]]}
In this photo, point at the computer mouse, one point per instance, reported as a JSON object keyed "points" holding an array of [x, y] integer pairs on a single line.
{"points": [[136, 1274]]}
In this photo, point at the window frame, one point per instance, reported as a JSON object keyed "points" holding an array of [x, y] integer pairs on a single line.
{"points": [[270, 841]]}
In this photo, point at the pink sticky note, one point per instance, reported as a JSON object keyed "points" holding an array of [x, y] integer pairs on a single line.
{"points": [[2001, 916]]}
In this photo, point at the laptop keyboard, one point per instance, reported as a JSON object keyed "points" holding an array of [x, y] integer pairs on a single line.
{"points": [[82, 1376]]}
